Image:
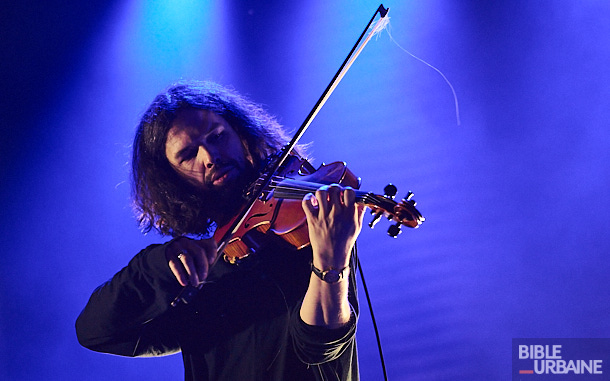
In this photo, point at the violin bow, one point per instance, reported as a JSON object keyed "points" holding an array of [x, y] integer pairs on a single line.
{"points": [[278, 159]]}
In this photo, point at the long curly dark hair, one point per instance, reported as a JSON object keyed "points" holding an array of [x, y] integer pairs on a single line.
{"points": [[163, 200]]}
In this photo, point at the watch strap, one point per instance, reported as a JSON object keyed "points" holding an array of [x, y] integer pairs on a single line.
{"points": [[330, 275]]}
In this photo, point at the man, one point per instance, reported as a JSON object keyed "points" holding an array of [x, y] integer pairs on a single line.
{"points": [[281, 313]]}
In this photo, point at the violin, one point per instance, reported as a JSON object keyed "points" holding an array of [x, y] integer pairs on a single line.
{"points": [[278, 210]]}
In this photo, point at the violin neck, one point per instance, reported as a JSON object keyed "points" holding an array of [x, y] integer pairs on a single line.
{"points": [[403, 213], [296, 190]]}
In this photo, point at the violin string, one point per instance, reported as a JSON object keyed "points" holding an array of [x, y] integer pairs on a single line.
{"points": [[288, 188], [282, 191]]}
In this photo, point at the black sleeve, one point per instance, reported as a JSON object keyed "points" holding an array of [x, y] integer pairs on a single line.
{"points": [[317, 345], [130, 315]]}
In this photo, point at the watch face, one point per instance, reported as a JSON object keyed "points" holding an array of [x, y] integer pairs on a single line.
{"points": [[332, 276]]}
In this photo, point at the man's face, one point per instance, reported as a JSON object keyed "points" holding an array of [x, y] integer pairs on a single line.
{"points": [[203, 148]]}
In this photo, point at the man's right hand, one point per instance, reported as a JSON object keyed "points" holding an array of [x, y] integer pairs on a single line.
{"points": [[190, 260]]}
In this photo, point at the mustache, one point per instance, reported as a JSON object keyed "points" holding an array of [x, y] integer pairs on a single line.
{"points": [[218, 169]]}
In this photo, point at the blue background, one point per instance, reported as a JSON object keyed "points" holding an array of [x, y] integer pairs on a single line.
{"points": [[516, 197]]}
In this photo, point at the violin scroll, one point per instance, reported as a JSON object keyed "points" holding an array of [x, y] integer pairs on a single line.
{"points": [[403, 213]]}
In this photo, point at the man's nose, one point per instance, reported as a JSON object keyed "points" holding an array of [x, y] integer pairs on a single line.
{"points": [[209, 157]]}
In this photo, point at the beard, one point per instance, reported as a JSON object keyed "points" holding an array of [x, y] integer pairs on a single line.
{"points": [[223, 203]]}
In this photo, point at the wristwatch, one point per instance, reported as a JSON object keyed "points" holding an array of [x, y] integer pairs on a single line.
{"points": [[330, 276]]}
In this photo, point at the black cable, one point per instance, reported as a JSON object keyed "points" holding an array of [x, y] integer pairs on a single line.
{"points": [[368, 300]]}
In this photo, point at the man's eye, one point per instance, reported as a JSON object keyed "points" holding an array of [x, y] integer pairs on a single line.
{"points": [[217, 136], [188, 155]]}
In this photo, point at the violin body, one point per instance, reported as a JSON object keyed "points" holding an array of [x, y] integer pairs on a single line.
{"points": [[283, 217]]}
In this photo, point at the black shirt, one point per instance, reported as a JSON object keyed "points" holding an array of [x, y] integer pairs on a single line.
{"points": [[244, 324]]}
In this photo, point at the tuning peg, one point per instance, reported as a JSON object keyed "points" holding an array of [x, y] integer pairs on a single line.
{"points": [[390, 191], [376, 217], [409, 198], [394, 230]]}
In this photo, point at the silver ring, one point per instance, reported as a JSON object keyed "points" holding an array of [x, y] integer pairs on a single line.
{"points": [[181, 255]]}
